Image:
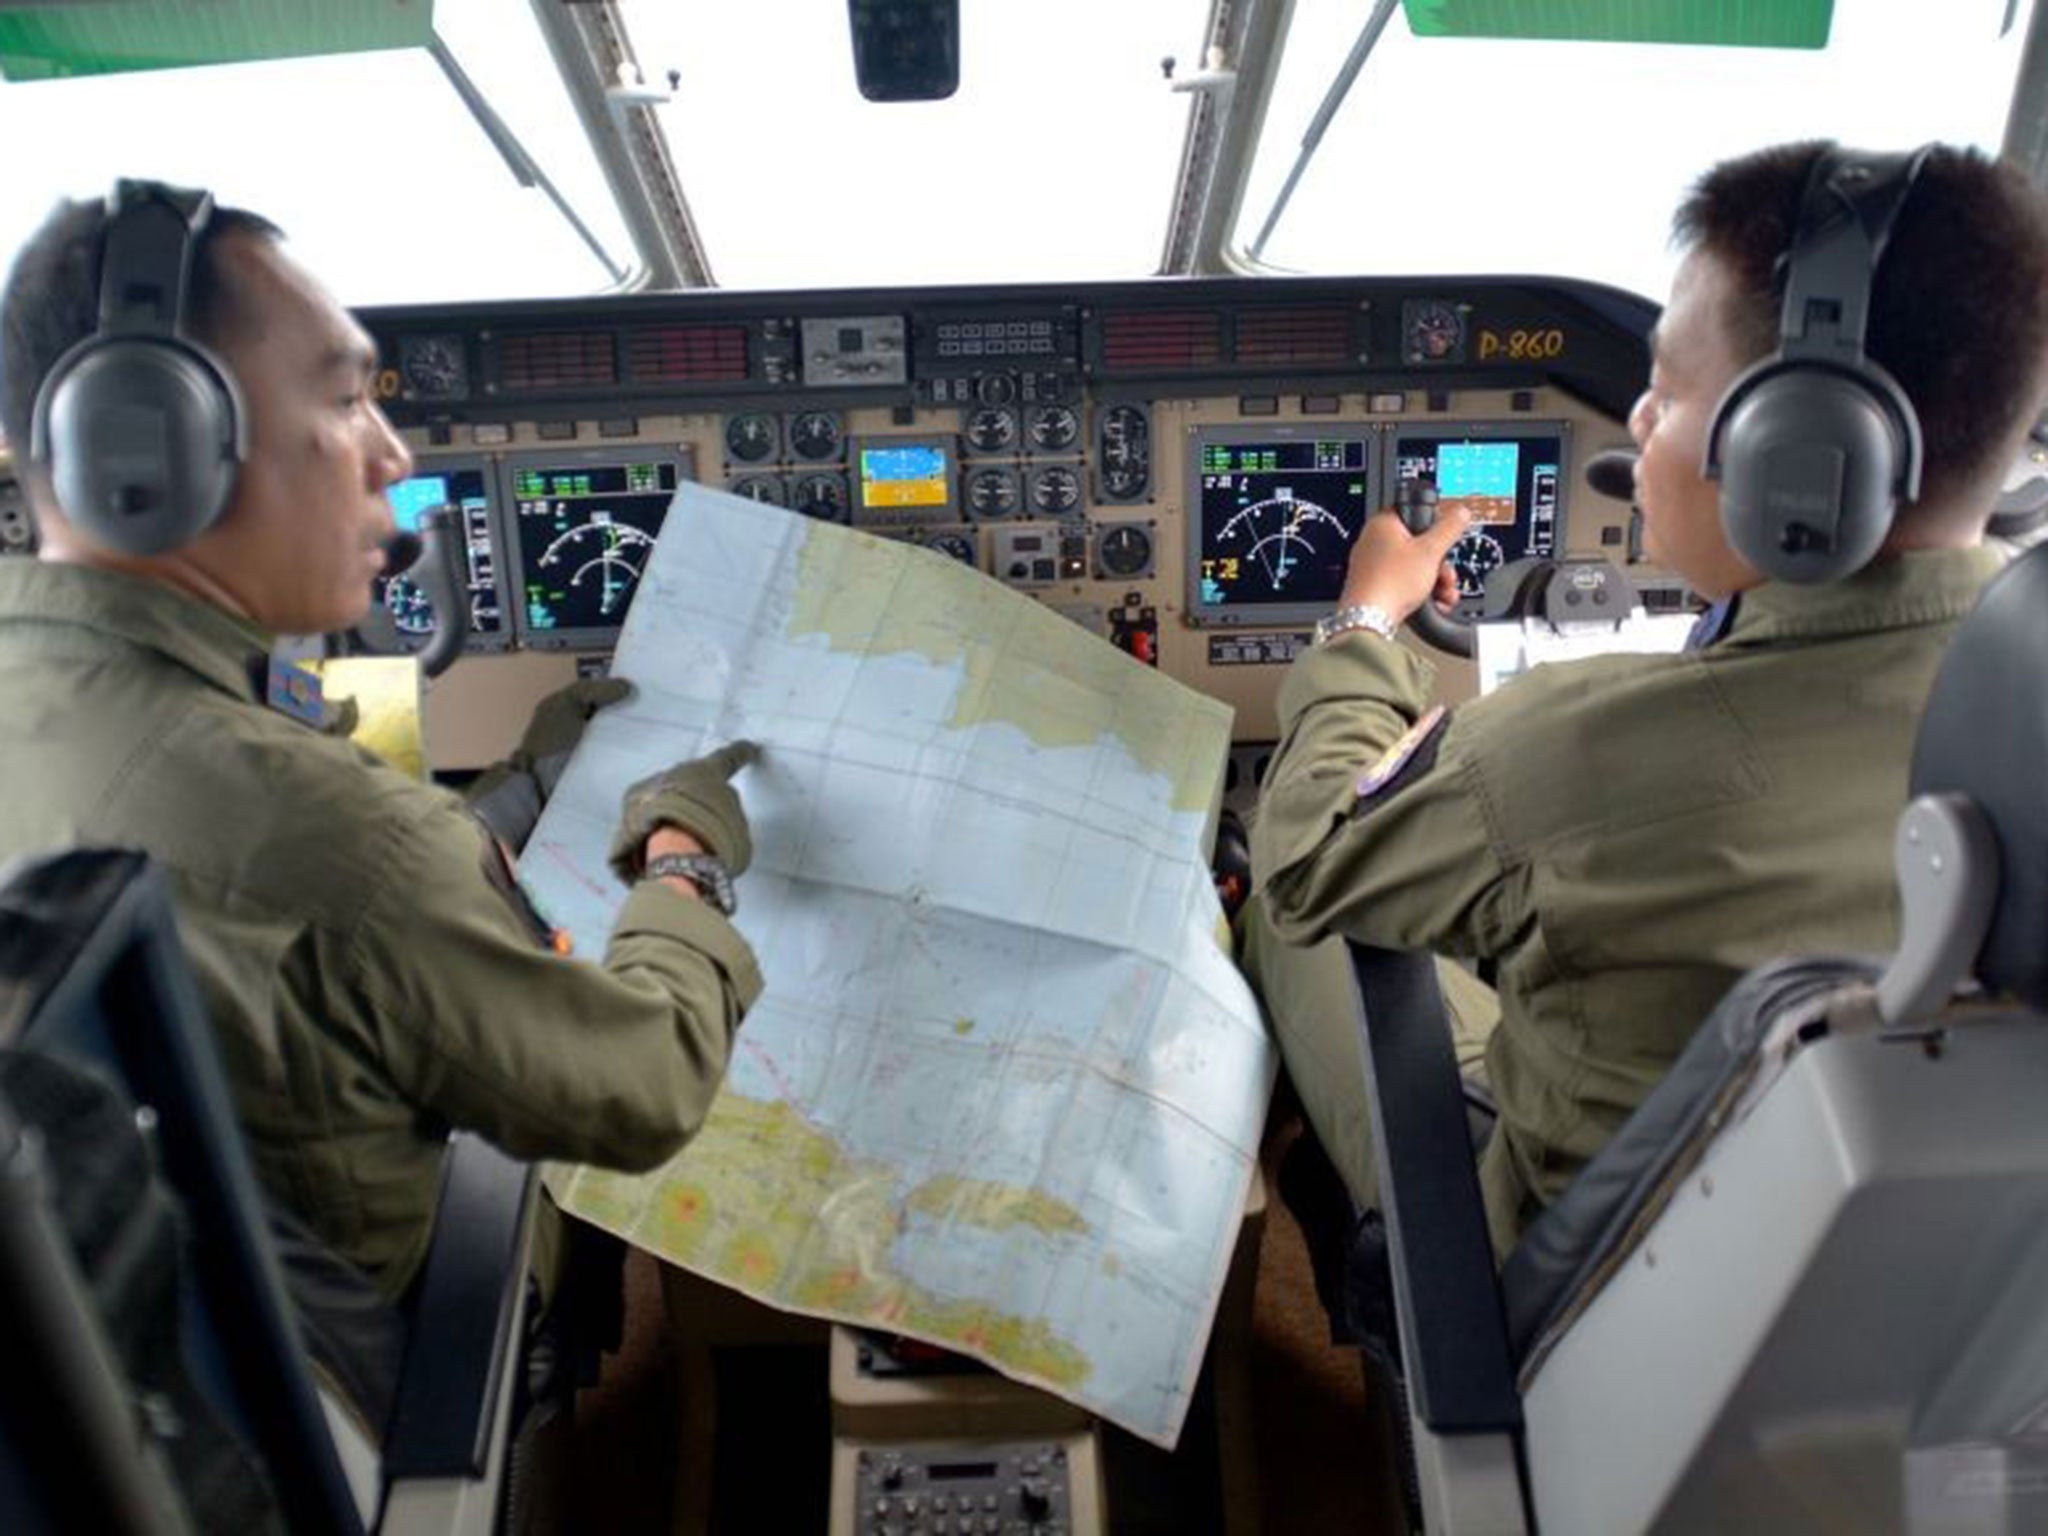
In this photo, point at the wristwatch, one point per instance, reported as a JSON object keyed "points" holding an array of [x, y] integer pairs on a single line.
{"points": [[1358, 616], [706, 871]]}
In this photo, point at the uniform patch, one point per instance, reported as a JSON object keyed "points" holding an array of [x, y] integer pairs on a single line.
{"points": [[292, 690], [1415, 749]]}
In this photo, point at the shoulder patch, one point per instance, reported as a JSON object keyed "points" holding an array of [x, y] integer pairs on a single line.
{"points": [[292, 690], [1413, 755]]}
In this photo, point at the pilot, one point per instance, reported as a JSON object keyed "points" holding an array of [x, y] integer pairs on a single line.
{"points": [[1622, 837], [373, 973]]}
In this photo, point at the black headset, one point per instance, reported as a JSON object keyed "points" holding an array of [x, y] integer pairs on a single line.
{"points": [[1816, 446], [140, 428]]}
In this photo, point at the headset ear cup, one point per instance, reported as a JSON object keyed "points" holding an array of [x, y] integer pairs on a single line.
{"points": [[1812, 460], [142, 438]]}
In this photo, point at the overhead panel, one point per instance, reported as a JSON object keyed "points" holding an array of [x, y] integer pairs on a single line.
{"points": [[47, 42], [1723, 23]]}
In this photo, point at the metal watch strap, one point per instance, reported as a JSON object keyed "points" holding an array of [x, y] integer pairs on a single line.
{"points": [[704, 870], [1358, 616]]}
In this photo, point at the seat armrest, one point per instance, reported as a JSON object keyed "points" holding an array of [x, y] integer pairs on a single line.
{"points": [[1453, 1334], [459, 1341]]}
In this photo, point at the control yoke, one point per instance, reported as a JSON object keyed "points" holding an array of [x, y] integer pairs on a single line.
{"points": [[438, 576], [1415, 501]]}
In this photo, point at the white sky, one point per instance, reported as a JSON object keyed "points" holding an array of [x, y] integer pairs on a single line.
{"points": [[1055, 161]]}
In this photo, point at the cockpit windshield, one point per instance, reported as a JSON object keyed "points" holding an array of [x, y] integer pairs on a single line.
{"points": [[1455, 153]]}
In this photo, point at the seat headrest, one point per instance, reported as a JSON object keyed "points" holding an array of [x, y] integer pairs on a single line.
{"points": [[1984, 735]]}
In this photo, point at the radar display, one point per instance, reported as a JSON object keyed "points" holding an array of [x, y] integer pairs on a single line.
{"points": [[1278, 519], [583, 533]]}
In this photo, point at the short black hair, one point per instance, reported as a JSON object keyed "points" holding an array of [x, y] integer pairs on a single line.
{"points": [[1959, 308], [52, 300]]}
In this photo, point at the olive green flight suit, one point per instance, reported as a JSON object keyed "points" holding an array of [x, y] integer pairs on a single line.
{"points": [[372, 975], [1625, 836]]}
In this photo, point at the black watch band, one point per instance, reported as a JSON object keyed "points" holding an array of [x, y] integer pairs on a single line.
{"points": [[706, 871]]}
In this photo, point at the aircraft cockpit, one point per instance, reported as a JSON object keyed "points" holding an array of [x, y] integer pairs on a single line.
{"points": [[1087, 341]]}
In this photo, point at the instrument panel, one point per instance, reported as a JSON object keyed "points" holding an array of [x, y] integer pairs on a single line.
{"points": [[1178, 467]]}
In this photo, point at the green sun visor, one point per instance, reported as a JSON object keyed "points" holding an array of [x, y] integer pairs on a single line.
{"points": [[46, 41], [1723, 23]]}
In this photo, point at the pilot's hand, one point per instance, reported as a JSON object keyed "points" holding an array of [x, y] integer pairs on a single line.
{"points": [[694, 796], [558, 722], [1398, 571]]}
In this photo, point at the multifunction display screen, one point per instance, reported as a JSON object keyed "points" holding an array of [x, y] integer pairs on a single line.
{"points": [[582, 533], [1276, 519], [411, 611], [1508, 478]]}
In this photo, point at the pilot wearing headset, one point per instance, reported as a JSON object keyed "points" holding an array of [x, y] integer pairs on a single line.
{"points": [[1851, 357], [207, 467]]}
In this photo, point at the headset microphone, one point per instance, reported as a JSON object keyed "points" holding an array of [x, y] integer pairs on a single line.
{"points": [[401, 551]]}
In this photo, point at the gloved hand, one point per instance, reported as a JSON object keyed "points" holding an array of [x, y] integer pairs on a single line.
{"points": [[509, 795], [694, 796], [557, 726]]}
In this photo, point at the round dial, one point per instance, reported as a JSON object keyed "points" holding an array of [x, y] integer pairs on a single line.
{"points": [[1055, 489], [432, 366], [993, 492], [1124, 550], [1475, 557], [1433, 332], [991, 429], [408, 606], [815, 435], [960, 546], [1126, 458], [752, 437], [995, 389], [766, 488], [1054, 427], [822, 497]]}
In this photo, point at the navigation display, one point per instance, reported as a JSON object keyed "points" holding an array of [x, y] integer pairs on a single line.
{"points": [[582, 528], [411, 612], [903, 480], [1509, 476], [1279, 510]]}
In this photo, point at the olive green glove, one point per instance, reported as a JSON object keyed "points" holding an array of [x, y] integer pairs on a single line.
{"points": [[694, 796], [557, 726], [510, 795]]}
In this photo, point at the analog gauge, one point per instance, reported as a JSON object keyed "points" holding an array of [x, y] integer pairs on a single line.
{"points": [[1054, 427], [961, 546], [433, 367], [991, 429], [1125, 467], [1055, 489], [766, 488], [1432, 331], [408, 606], [995, 389], [1475, 557], [814, 435], [822, 497], [993, 493], [1124, 550], [752, 437]]}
